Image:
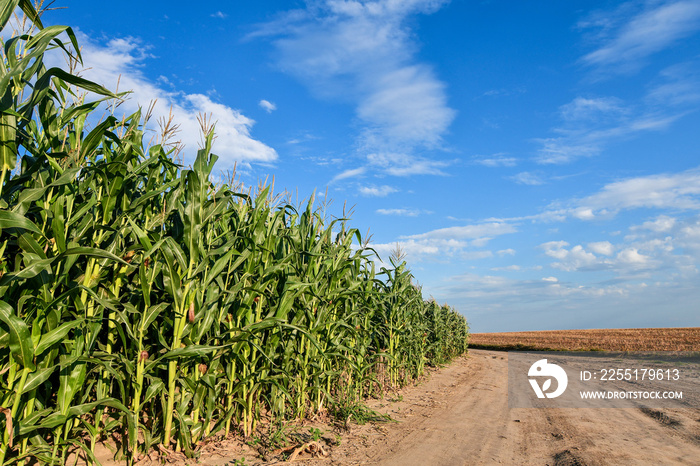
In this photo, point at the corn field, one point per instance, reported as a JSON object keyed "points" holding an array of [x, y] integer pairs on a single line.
{"points": [[143, 302]]}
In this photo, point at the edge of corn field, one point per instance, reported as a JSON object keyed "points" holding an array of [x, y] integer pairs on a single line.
{"points": [[145, 305]]}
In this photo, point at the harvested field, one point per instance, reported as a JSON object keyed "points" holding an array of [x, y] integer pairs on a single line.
{"points": [[630, 339]]}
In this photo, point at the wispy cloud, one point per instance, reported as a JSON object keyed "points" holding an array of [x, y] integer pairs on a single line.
{"points": [[595, 109], [676, 192], [655, 259], [402, 164], [219, 14], [507, 268], [403, 212], [118, 63], [364, 53], [496, 303], [350, 173], [468, 232], [590, 124], [678, 85], [496, 160], [503, 92], [465, 242], [528, 178], [626, 44], [680, 191], [305, 137], [626, 36], [268, 106], [377, 191]]}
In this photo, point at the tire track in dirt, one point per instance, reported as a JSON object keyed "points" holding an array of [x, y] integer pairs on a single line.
{"points": [[460, 416]]}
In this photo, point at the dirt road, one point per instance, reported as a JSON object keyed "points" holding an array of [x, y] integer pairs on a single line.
{"points": [[460, 416]]}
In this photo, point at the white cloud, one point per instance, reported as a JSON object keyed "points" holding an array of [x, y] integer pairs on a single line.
{"points": [[401, 164], [407, 106], [412, 249], [508, 268], [688, 237], [582, 108], [528, 178], [364, 53], [493, 303], [589, 125], [604, 248], [268, 106], [496, 160], [444, 243], [662, 223], [219, 15], [631, 256], [401, 212], [633, 271], [652, 30], [569, 259], [377, 191], [305, 137], [562, 150], [351, 173], [474, 255], [476, 231], [657, 254], [677, 85], [583, 213], [674, 191], [120, 62], [665, 191]]}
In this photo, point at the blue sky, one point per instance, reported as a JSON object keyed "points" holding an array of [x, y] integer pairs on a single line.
{"points": [[538, 162]]}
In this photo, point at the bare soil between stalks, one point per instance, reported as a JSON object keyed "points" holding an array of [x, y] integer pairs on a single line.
{"points": [[459, 415]]}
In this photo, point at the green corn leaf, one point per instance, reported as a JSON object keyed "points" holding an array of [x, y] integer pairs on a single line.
{"points": [[32, 419], [28, 196], [29, 244], [150, 315], [85, 408], [28, 9], [155, 387], [56, 335], [43, 419], [191, 350], [93, 252], [13, 220], [7, 8], [35, 267], [8, 141], [37, 378], [219, 265], [70, 382], [20, 337]]}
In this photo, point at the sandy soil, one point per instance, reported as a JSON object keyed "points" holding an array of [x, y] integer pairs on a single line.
{"points": [[459, 416]]}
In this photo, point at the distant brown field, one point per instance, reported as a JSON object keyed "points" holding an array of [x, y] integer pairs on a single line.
{"points": [[631, 339]]}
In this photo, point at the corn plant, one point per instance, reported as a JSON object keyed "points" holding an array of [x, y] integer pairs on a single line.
{"points": [[140, 300]]}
